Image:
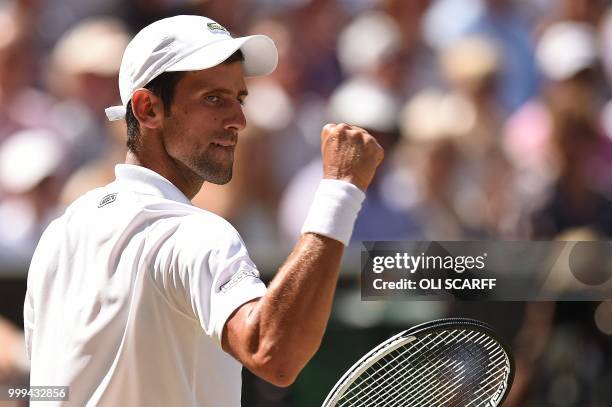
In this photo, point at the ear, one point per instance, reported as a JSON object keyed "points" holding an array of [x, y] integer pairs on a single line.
{"points": [[148, 108]]}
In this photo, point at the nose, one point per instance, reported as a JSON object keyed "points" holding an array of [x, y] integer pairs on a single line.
{"points": [[237, 122]]}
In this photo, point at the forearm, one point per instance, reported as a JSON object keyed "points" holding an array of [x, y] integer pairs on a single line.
{"points": [[293, 314], [282, 330]]}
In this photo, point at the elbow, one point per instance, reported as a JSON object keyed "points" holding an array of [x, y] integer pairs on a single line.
{"points": [[278, 368], [280, 361], [281, 379]]}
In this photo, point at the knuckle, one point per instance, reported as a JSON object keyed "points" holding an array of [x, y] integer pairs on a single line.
{"points": [[343, 128], [370, 141], [329, 127], [351, 135]]}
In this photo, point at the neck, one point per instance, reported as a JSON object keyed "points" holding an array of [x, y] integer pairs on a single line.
{"points": [[175, 172]]}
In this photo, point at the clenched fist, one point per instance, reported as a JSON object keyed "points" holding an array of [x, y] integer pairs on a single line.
{"points": [[350, 154]]}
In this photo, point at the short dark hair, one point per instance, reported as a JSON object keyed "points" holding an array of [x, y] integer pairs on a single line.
{"points": [[163, 86]]}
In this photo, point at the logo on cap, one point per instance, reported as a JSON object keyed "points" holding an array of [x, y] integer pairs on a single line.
{"points": [[217, 28]]}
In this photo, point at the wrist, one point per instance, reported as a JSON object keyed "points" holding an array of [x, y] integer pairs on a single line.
{"points": [[334, 210], [350, 179]]}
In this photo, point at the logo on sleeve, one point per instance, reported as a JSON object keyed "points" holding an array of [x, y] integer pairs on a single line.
{"points": [[217, 28], [108, 199], [243, 272]]}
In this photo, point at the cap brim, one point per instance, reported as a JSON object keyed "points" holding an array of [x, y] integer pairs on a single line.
{"points": [[260, 55]]}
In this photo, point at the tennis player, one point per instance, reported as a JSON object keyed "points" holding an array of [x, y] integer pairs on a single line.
{"points": [[137, 298]]}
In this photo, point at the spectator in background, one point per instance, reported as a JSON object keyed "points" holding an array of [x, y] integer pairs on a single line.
{"points": [[31, 176], [575, 200], [504, 21], [385, 43], [589, 12], [469, 171], [380, 56], [472, 68], [434, 124], [557, 140], [21, 105], [85, 67], [415, 58], [317, 23]]}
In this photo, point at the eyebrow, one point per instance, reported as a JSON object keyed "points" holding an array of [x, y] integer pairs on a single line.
{"points": [[242, 93]]}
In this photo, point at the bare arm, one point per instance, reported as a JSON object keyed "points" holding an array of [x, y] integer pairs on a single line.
{"points": [[276, 336]]}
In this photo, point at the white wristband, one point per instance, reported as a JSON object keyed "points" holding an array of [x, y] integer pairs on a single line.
{"points": [[334, 209]]}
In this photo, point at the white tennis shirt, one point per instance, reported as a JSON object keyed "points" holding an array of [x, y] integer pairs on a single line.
{"points": [[128, 293]]}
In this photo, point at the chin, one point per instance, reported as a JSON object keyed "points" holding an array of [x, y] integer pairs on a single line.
{"points": [[218, 176], [221, 179], [213, 171]]}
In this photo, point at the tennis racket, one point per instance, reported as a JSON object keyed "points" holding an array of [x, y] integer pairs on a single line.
{"points": [[448, 362]]}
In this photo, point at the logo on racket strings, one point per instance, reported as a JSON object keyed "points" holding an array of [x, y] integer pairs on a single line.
{"points": [[495, 400]]}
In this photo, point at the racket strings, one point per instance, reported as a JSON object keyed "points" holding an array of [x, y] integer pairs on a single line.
{"points": [[476, 364], [421, 376], [498, 377], [383, 366], [393, 371], [444, 377], [414, 350], [432, 372], [494, 375], [449, 395], [454, 394], [446, 394]]}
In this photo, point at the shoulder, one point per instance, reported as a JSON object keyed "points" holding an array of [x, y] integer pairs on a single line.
{"points": [[205, 228], [89, 199], [195, 242]]}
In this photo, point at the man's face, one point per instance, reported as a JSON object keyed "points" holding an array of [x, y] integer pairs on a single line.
{"points": [[201, 132]]}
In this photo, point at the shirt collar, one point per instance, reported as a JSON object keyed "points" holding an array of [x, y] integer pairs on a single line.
{"points": [[146, 181]]}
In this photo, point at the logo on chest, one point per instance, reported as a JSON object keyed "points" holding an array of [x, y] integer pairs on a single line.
{"points": [[108, 199]]}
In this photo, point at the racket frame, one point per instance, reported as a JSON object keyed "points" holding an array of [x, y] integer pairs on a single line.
{"points": [[410, 335]]}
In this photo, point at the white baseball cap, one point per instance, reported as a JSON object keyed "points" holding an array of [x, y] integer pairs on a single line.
{"points": [[186, 43]]}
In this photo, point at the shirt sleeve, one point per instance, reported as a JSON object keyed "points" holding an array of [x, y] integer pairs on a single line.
{"points": [[211, 271]]}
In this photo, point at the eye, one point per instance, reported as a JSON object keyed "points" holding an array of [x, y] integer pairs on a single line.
{"points": [[212, 98]]}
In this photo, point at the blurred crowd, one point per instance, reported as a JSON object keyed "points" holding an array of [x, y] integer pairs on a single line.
{"points": [[495, 115]]}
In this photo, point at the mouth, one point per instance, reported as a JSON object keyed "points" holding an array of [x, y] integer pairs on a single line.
{"points": [[224, 143]]}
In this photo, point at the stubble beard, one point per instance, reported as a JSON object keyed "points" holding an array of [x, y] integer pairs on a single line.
{"points": [[211, 170]]}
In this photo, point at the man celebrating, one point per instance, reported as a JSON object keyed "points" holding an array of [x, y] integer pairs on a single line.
{"points": [[136, 297]]}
